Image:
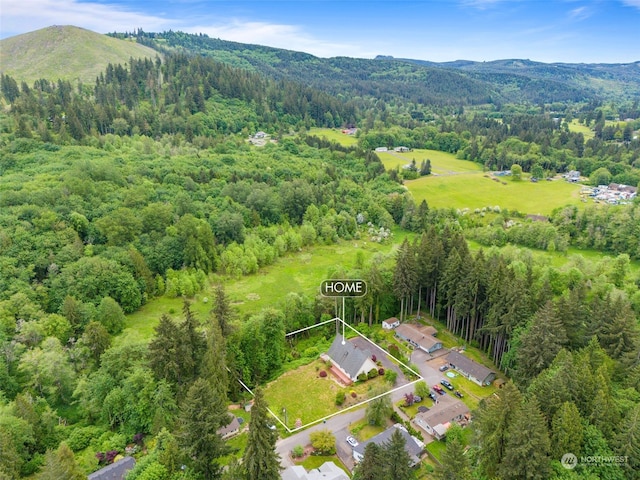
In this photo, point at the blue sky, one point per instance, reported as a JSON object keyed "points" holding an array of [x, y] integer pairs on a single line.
{"points": [[588, 31]]}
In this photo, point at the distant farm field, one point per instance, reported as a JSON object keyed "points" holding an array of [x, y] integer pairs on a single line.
{"points": [[442, 163], [477, 191], [335, 135], [576, 127]]}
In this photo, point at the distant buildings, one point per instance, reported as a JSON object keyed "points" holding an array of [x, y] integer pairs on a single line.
{"points": [[413, 446], [572, 176], [439, 418], [471, 369], [326, 471], [115, 471], [390, 323], [419, 337], [614, 193]]}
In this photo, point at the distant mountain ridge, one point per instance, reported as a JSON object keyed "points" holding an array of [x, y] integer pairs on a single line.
{"points": [[65, 52], [603, 78], [72, 53]]}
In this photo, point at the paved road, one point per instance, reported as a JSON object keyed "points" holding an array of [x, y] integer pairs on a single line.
{"points": [[340, 424]]}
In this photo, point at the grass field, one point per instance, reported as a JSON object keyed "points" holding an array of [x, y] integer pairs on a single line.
{"points": [[576, 127], [335, 135], [477, 191], [308, 397], [300, 272], [442, 163]]}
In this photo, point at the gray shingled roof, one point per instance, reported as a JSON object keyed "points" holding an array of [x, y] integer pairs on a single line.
{"points": [[348, 356], [115, 471], [468, 366], [413, 449], [417, 336], [442, 413]]}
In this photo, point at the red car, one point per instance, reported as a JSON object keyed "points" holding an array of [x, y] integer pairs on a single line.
{"points": [[438, 389]]}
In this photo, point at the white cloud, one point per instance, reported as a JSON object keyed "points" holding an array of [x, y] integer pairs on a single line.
{"points": [[290, 37], [480, 4], [631, 3], [19, 16], [580, 13]]}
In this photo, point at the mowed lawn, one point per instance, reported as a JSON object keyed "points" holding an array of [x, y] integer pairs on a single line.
{"points": [[335, 135], [577, 127], [477, 191], [308, 397], [442, 163]]}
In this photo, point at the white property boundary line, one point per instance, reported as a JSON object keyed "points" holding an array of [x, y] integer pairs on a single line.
{"points": [[364, 402]]}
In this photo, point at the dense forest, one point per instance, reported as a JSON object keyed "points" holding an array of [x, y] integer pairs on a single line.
{"points": [[143, 185]]}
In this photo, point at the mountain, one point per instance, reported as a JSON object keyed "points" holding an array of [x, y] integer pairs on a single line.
{"points": [[65, 52], [459, 82], [607, 80]]}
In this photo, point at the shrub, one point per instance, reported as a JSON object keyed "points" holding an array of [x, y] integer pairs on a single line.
{"points": [[374, 358], [298, 451], [391, 376], [362, 377], [323, 373], [340, 397], [373, 373], [353, 394], [381, 371], [80, 438]]}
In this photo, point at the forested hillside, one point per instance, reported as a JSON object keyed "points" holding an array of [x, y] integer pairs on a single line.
{"points": [[143, 186]]}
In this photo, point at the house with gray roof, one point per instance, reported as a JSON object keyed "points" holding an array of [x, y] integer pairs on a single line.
{"points": [[231, 429], [326, 471], [412, 445], [420, 338], [349, 359], [115, 471], [437, 420], [470, 369]]}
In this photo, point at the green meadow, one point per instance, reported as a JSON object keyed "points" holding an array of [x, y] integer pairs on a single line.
{"points": [[477, 191], [301, 272], [335, 135], [442, 163], [576, 127]]}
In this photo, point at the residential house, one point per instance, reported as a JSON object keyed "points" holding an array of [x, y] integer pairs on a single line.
{"points": [[349, 359], [115, 471], [419, 338], [390, 323], [382, 149], [401, 149], [437, 420], [230, 430], [326, 471], [413, 446], [471, 369]]}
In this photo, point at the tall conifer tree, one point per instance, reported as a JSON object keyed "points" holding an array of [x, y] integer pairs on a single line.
{"points": [[260, 459]]}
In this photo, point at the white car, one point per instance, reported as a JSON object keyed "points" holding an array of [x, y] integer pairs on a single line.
{"points": [[352, 441]]}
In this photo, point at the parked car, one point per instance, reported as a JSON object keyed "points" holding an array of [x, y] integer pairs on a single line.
{"points": [[458, 394], [352, 441], [432, 396], [444, 368], [417, 399], [439, 389], [446, 384]]}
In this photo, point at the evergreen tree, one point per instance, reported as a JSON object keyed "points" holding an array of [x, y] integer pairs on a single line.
{"points": [[214, 367], [60, 464], [627, 443], [566, 431], [379, 409], [203, 412], [540, 343], [490, 425], [397, 458], [221, 311], [260, 459], [191, 346], [373, 464], [163, 351], [527, 446], [454, 464], [404, 276]]}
